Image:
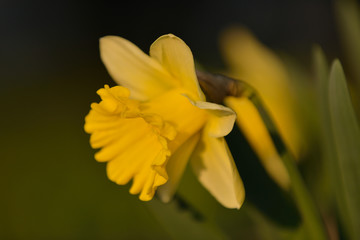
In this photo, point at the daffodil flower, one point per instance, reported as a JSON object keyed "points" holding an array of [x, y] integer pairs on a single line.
{"points": [[255, 64], [157, 120]]}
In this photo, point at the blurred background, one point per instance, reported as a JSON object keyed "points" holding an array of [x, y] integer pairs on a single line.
{"points": [[51, 186]]}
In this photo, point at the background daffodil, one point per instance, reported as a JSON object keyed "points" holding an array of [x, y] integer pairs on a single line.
{"points": [[255, 64], [150, 126]]}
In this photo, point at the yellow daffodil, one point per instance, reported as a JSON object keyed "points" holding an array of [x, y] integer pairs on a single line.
{"points": [[150, 126], [255, 64]]}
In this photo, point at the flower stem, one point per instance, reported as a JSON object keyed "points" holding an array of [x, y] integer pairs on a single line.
{"points": [[310, 215]]}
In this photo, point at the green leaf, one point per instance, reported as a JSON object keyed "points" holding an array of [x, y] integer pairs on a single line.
{"points": [[182, 221], [324, 187], [321, 72], [348, 20], [346, 167]]}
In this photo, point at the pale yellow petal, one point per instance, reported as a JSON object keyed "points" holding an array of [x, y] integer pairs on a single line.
{"points": [[214, 166], [251, 124], [175, 56], [176, 167], [130, 67], [221, 119], [251, 61]]}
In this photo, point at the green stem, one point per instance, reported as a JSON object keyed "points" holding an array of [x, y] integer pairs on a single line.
{"points": [[310, 215]]}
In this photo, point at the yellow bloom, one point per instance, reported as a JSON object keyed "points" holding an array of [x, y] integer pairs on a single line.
{"points": [[157, 120], [253, 63]]}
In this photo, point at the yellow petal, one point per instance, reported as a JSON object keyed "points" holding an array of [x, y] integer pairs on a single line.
{"points": [[134, 143], [254, 63], [175, 56], [175, 168], [251, 61], [251, 124], [177, 110], [188, 120], [221, 119], [132, 68], [214, 166]]}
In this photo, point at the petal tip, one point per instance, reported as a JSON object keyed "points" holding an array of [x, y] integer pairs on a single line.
{"points": [[170, 35], [107, 38]]}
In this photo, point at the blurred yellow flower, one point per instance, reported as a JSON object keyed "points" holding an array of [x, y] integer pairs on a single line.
{"points": [[157, 120], [255, 64]]}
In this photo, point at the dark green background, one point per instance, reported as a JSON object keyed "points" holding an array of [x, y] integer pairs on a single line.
{"points": [[51, 186]]}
